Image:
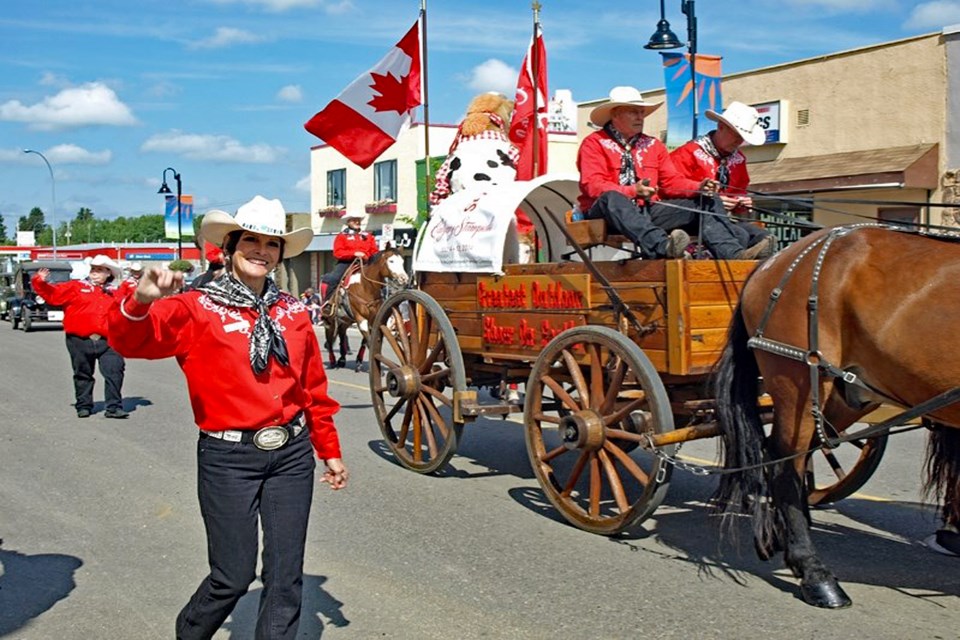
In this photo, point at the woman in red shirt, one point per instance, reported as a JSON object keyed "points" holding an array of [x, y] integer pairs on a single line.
{"points": [[260, 425]]}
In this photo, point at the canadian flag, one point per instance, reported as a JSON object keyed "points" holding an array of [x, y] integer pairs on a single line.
{"points": [[530, 111], [368, 116]]}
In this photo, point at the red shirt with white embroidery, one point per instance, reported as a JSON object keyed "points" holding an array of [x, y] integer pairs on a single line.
{"points": [[211, 343], [599, 164], [85, 305], [349, 242], [696, 163]]}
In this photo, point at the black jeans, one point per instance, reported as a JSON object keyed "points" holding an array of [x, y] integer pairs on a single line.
{"points": [[333, 278], [84, 354], [239, 485]]}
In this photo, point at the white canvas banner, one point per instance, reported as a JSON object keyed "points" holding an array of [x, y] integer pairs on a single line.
{"points": [[468, 232]]}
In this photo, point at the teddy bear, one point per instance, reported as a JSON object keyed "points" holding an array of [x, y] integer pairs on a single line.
{"points": [[481, 155]]}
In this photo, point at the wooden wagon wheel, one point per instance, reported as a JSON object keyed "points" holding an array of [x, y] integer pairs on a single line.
{"points": [[590, 393], [415, 369], [849, 466]]}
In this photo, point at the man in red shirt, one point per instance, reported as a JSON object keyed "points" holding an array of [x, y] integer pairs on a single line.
{"points": [[350, 244], [85, 305], [622, 174], [717, 155]]}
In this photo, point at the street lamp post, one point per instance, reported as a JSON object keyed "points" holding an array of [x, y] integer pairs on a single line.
{"points": [[53, 193], [165, 190], [664, 38]]}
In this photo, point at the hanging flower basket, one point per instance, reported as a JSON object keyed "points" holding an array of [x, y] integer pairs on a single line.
{"points": [[381, 206], [334, 211]]}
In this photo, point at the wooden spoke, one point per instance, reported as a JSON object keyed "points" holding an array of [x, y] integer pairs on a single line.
{"points": [[417, 433], [834, 464], [405, 426], [623, 411], [560, 393], [554, 453], [616, 486], [431, 378], [616, 381], [390, 364], [395, 409], [438, 395], [627, 462], [575, 473], [595, 485], [427, 424], [392, 341], [542, 417], [435, 416], [434, 356], [402, 332], [416, 352], [620, 434], [596, 376], [578, 380]]}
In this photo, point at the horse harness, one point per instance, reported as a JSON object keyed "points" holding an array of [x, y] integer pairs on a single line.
{"points": [[814, 359]]}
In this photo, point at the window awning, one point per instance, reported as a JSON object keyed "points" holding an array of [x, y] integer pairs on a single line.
{"points": [[913, 167]]}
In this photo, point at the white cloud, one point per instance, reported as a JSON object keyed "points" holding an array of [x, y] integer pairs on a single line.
{"points": [[226, 37], [331, 7], [290, 93], [494, 75], [72, 154], [934, 15], [303, 184], [50, 79], [90, 104], [197, 146]]}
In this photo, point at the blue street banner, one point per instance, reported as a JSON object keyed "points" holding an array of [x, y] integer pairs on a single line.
{"points": [[170, 228], [679, 89]]}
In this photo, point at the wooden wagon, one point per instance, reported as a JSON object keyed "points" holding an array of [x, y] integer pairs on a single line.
{"points": [[614, 353]]}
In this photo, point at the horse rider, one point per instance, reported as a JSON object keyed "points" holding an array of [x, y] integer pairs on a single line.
{"points": [[349, 245], [622, 173], [717, 155]]}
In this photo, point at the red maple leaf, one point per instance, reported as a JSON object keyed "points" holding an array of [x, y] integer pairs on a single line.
{"points": [[395, 95]]}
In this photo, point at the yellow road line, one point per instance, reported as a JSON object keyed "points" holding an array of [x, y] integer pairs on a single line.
{"points": [[349, 384]]}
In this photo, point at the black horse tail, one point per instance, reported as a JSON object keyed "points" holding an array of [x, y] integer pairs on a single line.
{"points": [[736, 387], [943, 470]]}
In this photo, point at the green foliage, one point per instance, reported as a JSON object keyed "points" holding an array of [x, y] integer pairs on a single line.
{"points": [[181, 265]]}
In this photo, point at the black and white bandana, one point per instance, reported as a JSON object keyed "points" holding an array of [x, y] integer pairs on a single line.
{"points": [[628, 173], [266, 338], [722, 176]]}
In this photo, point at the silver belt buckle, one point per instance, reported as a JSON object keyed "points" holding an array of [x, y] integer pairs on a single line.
{"points": [[270, 438]]}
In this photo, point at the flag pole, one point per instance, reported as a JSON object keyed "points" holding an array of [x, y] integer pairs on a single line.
{"points": [[427, 172], [534, 72]]}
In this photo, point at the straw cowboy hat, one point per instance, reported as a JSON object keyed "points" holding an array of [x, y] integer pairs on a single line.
{"points": [[621, 97], [101, 260], [259, 216], [743, 119]]}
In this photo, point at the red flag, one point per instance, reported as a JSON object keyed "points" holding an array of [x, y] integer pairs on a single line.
{"points": [[524, 118], [368, 116]]}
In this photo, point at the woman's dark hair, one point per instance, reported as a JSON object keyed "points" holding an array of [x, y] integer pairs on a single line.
{"points": [[233, 239]]}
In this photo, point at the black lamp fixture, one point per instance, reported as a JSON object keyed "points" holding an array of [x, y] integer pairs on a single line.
{"points": [[165, 190], [664, 38]]}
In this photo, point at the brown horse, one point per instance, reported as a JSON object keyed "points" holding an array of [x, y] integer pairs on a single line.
{"points": [[839, 322], [357, 300]]}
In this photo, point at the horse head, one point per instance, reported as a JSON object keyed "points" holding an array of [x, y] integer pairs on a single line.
{"points": [[393, 264]]}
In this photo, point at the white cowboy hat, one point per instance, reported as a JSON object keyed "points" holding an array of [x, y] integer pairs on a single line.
{"points": [[262, 216], [743, 119], [101, 260], [621, 97], [135, 266], [358, 216]]}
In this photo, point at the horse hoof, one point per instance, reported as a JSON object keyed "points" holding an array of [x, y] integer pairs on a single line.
{"points": [[826, 595], [341, 363]]}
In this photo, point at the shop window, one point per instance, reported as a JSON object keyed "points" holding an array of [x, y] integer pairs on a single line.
{"points": [[337, 188], [776, 216], [385, 180], [907, 216]]}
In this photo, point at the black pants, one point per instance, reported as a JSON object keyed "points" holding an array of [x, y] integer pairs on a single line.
{"points": [[240, 486], [84, 353], [333, 278], [648, 226]]}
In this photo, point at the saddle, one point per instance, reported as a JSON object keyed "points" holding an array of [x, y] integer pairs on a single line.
{"points": [[330, 308]]}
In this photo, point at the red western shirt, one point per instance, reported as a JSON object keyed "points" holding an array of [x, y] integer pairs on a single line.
{"points": [[697, 164], [348, 242], [599, 164], [85, 305], [211, 343]]}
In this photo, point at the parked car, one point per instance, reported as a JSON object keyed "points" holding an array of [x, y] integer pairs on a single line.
{"points": [[6, 292], [26, 308]]}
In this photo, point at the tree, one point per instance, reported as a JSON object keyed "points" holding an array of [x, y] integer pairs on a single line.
{"points": [[83, 215], [3, 231], [34, 221]]}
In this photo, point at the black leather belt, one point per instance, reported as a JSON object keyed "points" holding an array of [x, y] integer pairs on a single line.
{"points": [[267, 438]]}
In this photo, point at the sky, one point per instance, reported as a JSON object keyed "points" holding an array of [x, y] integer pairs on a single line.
{"points": [[113, 92]]}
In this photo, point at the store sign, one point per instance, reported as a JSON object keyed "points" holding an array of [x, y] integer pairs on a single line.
{"points": [[149, 256], [772, 122], [402, 239]]}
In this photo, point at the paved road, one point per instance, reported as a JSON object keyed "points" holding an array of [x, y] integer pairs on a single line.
{"points": [[102, 537]]}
